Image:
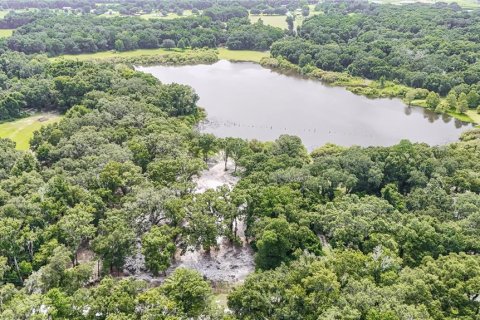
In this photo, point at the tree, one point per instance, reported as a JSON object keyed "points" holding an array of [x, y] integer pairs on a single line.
{"points": [[207, 144], [462, 103], [442, 107], [409, 97], [77, 227], [305, 11], [111, 298], [452, 100], [473, 99], [115, 240], [238, 150], [11, 243], [119, 46], [168, 44], [187, 289], [382, 82], [432, 101], [158, 246], [3, 268], [290, 22], [274, 244], [182, 43]]}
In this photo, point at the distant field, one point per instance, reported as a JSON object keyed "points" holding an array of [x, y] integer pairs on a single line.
{"points": [[281, 21], [234, 55], [21, 131], [5, 33], [274, 21], [110, 14]]}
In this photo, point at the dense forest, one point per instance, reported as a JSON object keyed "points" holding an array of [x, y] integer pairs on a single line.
{"points": [[377, 233], [62, 33], [431, 47]]}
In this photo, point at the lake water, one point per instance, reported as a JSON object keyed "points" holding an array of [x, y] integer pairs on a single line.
{"points": [[248, 101]]}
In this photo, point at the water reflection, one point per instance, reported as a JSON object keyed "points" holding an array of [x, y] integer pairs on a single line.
{"points": [[248, 101]]}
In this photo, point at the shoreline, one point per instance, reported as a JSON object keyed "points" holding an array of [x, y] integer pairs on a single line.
{"points": [[372, 89]]}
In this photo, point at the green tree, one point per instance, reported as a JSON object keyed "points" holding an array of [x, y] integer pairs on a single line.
{"points": [[473, 99], [207, 145], [305, 11], [432, 101], [462, 103], [158, 246], [290, 22], [182, 43], [452, 99], [187, 289], [274, 244], [168, 44], [76, 225], [114, 241]]}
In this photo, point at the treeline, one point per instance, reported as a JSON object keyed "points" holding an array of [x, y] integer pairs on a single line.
{"points": [[16, 19], [147, 6], [431, 47], [44, 4], [69, 34]]}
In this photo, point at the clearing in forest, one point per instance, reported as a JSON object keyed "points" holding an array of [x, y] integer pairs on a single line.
{"points": [[21, 131]]}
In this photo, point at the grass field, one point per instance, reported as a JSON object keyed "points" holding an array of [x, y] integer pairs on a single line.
{"points": [[110, 14], [233, 55], [281, 21], [274, 21], [21, 131], [5, 33], [242, 55]]}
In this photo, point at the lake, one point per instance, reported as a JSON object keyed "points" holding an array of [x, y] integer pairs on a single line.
{"points": [[248, 101]]}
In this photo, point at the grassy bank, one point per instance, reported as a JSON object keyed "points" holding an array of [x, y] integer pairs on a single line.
{"points": [[21, 131], [360, 86], [242, 55], [117, 54], [149, 54]]}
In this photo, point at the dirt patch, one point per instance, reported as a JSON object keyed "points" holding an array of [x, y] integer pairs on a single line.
{"points": [[227, 263], [216, 175]]}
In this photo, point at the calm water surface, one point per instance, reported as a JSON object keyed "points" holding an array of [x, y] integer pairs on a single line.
{"points": [[248, 101]]}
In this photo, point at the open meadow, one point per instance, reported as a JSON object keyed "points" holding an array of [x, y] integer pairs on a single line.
{"points": [[5, 33], [21, 131]]}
